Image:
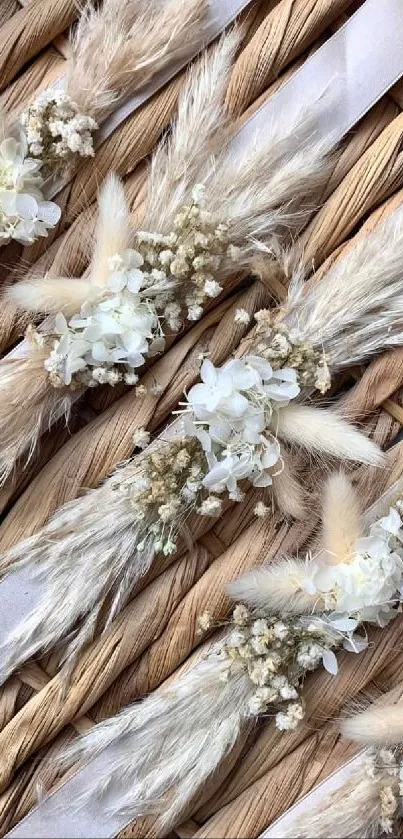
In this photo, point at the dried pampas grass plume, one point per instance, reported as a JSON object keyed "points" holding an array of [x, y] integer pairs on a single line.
{"points": [[356, 308], [351, 811], [173, 742], [27, 407], [119, 46]]}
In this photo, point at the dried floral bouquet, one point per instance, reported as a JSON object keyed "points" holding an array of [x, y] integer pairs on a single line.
{"points": [[291, 618], [229, 431], [116, 49], [207, 216]]}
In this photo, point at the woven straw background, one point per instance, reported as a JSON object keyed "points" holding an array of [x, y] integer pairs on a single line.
{"points": [[155, 634]]}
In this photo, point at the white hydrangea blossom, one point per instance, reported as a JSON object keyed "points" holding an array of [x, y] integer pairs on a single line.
{"points": [[24, 214], [367, 588], [113, 334], [230, 413]]}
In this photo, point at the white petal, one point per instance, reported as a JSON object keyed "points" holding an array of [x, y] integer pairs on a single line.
{"points": [[204, 438], [329, 662], [157, 346], [49, 212], [135, 280], [220, 430], [262, 480], [60, 324], [27, 206], [8, 201], [108, 324], [208, 373], [242, 377], [344, 624], [135, 360], [355, 644], [262, 366], [100, 351], [132, 258], [286, 374], [9, 149], [270, 456], [281, 391], [236, 404], [116, 281], [392, 522]]}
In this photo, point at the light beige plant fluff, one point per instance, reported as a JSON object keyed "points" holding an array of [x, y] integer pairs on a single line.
{"points": [[119, 46], [379, 724], [284, 585]]}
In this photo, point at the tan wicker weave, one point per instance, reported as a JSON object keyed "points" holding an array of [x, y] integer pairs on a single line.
{"points": [[155, 634]]}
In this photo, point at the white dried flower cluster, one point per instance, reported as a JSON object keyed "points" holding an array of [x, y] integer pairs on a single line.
{"points": [[189, 258], [231, 412], [24, 214], [387, 767], [367, 587], [112, 335], [276, 653], [126, 320], [242, 316], [281, 348], [56, 131], [260, 510], [141, 438]]}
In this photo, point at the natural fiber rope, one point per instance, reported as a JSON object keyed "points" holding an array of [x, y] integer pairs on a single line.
{"points": [[29, 30]]}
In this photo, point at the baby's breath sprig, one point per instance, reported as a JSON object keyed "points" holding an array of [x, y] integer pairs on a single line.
{"points": [[191, 256], [276, 344], [165, 489], [56, 131], [276, 653], [387, 767]]}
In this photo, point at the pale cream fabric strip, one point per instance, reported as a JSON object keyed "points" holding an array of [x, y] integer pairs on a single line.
{"points": [[356, 66]]}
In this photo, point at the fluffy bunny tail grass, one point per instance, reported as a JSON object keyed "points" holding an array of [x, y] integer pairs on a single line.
{"points": [[85, 561], [275, 588], [113, 233], [167, 746], [28, 405], [51, 295], [323, 432], [378, 725], [341, 518]]}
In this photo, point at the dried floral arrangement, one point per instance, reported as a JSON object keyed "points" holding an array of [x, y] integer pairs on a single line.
{"points": [[291, 618], [116, 49], [207, 216], [368, 801], [229, 431], [386, 179]]}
